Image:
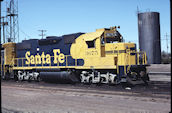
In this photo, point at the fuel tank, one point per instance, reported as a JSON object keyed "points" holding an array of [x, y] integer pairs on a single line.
{"points": [[59, 77]]}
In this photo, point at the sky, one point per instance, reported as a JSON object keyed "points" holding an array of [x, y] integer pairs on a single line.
{"points": [[60, 17]]}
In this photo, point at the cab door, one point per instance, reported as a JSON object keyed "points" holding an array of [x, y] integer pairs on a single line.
{"points": [[102, 40]]}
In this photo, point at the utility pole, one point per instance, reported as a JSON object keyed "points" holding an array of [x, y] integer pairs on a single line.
{"points": [[12, 30], [0, 35], [0, 47], [42, 33], [3, 28], [166, 38]]}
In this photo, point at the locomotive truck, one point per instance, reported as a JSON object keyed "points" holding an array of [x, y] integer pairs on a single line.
{"points": [[97, 57]]}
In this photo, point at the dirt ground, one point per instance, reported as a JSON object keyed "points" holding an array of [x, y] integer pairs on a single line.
{"points": [[54, 98], [24, 99]]}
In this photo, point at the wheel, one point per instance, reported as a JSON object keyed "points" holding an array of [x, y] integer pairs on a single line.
{"points": [[130, 82], [29, 79], [23, 78], [16, 78], [38, 79], [81, 79], [100, 82], [6, 76], [102, 79], [90, 80], [111, 79], [145, 79]]}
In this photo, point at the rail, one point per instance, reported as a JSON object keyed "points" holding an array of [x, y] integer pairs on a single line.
{"points": [[140, 59]]}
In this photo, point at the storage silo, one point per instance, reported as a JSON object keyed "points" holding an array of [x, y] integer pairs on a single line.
{"points": [[149, 36]]}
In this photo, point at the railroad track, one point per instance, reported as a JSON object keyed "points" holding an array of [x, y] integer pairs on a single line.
{"points": [[153, 90]]}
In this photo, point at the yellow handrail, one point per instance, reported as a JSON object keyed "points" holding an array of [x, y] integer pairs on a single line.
{"points": [[127, 59], [22, 65]]}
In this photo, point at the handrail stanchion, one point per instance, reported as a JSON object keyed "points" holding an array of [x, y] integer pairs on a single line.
{"points": [[129, 58], [117, 64], [66, 60], [138, 62], [145, 58], [75, 62], [17, 63], [22, 62], [50, 60]]}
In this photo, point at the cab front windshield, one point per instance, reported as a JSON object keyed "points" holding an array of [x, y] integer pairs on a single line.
{"points": [[113, 37], [112, 40]]}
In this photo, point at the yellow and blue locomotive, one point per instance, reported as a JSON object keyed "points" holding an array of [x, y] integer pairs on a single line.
{"points": [[96, 57]]}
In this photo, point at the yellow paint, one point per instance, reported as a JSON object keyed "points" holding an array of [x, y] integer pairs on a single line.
{"points": [[93, 35], [103, 55], [32, 59], [44, 59], [57, 67], [59, 57], [9, 53], [48, 58], [38, 59], [28, 59]]}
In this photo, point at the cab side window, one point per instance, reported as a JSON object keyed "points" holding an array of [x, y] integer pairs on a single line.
{"points": [[91, 44]]}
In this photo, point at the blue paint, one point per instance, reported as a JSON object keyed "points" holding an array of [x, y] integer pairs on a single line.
{"points": [[48, 49]]}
